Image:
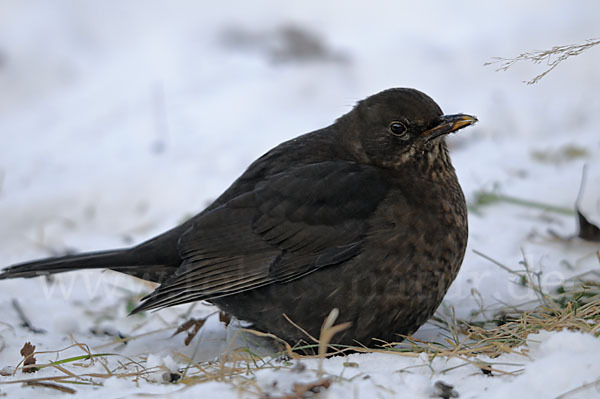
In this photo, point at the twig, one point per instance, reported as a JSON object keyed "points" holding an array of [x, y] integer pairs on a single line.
{"points": [[58, 387], [24, 320], [552, 57], [497, 263]]}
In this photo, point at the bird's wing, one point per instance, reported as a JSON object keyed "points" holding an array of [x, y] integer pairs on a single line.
{"points": [[287, 225]]}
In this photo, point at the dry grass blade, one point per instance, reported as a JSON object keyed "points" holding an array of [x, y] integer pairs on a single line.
{"points": [[57, 387], [132, 337], [576, 307], [300, 328], [514, 332], [584, 387], [552, 57], [328, 330], [69, 375], [483, 198]]}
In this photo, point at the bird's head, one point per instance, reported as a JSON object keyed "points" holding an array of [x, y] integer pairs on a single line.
{"points": [[399, 126]]}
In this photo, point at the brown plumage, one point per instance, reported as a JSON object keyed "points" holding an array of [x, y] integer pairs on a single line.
{"points": [[365, 216]]}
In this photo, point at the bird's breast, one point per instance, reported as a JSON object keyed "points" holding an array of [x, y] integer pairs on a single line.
{"points": [[418, 242]]}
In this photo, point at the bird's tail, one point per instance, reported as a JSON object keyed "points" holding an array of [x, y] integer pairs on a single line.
{"points": [[126, 261]]}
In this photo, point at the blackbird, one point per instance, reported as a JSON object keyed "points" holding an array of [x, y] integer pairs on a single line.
{"points": [[366, 216]]}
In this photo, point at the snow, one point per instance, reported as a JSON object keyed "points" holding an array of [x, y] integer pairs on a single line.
{"points": [[118, 119]]}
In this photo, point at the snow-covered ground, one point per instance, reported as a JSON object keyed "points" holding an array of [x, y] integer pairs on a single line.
{"points": [[118, 119]]}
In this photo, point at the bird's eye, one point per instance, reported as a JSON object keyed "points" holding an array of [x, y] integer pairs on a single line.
{"points": [[398, 129]]}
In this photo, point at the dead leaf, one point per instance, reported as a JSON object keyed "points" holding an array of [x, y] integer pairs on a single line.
{"points": [[194, 324], [224, 318], [27, 351], [313, 387], [305, 390], [587, 230], [444, 391]]}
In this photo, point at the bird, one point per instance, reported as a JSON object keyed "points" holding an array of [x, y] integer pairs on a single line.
{"points": [[365, 217]]}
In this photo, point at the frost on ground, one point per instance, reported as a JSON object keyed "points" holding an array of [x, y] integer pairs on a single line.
{"points": [[120, 119]]}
